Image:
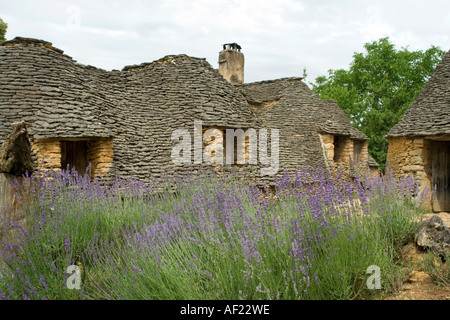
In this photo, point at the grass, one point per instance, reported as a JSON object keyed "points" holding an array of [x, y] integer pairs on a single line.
{"points": [[214, 238], [437, 267]]}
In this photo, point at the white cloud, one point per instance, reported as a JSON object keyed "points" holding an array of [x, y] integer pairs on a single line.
{"points": [[373, 32], [278, 38]]}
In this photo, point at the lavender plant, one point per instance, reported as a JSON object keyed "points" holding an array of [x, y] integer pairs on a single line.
{"points": [[315, 242], [215, 237], [69, 214]]}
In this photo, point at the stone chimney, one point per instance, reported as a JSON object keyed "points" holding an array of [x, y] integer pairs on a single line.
{"points": [[231, 63]]}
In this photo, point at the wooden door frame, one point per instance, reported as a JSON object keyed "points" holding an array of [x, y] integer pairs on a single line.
{"points": [[440, 171]]}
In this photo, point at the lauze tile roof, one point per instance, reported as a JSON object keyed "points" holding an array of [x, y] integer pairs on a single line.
{"points": [[429, 114], [141, 105]]}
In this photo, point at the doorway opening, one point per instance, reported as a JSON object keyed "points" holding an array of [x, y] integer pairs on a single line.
{"points": [[74, 155], [440, 164]]}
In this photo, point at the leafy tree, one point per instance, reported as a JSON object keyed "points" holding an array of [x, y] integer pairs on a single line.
{"points": [[3, 27], [378, 88]]}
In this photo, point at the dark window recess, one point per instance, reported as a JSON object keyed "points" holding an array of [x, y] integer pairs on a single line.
{"points": [[339, 147], [74, 154]]}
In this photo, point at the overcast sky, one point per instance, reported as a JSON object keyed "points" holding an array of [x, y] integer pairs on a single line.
{"points": [[278, 38]]}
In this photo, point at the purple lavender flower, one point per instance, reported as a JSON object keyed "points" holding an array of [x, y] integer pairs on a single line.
{"points": [[42, 281], [66, 243]]}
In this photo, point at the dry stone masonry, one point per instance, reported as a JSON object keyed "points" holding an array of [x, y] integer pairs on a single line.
{"points": [[419, 145], [231, 63], [309, 126], [121, 122]]}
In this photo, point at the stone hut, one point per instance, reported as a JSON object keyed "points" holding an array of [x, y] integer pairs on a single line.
{"points": [[129, 122], [419, 145], [374, 167], [120, 121], [313, 132]]}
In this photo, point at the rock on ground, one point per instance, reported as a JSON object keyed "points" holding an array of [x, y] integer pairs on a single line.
{"points": [[433, 234]]}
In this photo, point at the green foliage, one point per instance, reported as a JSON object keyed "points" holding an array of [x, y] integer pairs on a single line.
{"points": [[3, 27], [378, 88], [304, 74], [437, 267]]}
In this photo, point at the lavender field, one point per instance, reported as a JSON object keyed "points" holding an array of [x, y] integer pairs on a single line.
{"points": [[208, 237]]}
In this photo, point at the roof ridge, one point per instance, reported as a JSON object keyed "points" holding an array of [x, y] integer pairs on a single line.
{"points": [[271, 81], [31, 41], [165, 59], [431, 104], [48, 45]]}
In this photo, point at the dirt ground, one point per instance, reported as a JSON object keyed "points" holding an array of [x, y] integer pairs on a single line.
{"points": [[418, 285]]}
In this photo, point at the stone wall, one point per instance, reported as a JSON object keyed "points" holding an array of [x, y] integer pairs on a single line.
{"points": [[374, 171], [213, 144], [47, 153], [362, 167], [411, 157], [342, 159], [328, 147], [215, 139], [11, 205], [100, 154]]}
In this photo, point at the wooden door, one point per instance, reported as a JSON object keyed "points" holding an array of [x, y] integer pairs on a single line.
{"points": [[73, 153], [357, 149], [440, 155]]}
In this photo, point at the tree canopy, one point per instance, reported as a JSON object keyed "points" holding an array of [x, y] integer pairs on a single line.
{"points": [[378, 88], [3, 27]]}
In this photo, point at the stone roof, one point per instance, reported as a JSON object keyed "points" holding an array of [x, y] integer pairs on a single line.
{"points": [[340, 124], [372, 162], [291, 106], [429, 114], [44, 87], [139, 106]]}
